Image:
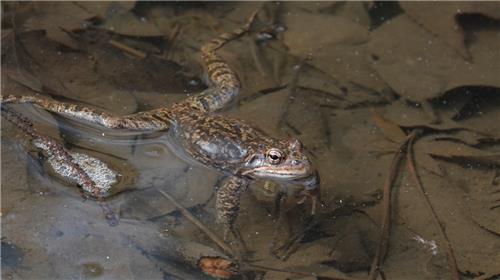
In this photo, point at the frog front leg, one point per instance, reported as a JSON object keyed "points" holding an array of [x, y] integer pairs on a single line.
{"points": [[311, 190], [144, 121], [227, 203]]}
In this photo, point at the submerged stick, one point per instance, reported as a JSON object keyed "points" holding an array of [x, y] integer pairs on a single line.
{"points": [[385, 227], [127, 49], [292, 90], [301, 273], [452, 262], [199, 224]]}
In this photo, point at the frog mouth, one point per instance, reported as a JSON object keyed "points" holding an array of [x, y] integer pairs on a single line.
{"points": [[278, 174]]}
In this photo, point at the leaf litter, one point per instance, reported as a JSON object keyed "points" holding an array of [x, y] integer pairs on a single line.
{"points": [[361, 89]]}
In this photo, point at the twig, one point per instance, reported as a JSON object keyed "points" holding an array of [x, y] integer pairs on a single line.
{"points": [[257, 58], [172, 41], [260, 94], [199, 224], [265, 268], [386, 219], [452, 262], [127, 49], [228, 250], [291, 95], [326, 128]]}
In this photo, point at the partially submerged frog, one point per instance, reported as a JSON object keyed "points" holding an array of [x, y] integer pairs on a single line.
{"points": [[226, 144]]}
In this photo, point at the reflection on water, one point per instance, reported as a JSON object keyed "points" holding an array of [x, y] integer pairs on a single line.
{"points": [[350, 80]]}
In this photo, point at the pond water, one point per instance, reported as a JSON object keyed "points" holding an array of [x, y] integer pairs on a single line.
{"points": [[359, 83]]}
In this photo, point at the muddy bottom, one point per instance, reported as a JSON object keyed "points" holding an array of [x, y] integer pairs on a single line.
{"points": [[397, 105]]}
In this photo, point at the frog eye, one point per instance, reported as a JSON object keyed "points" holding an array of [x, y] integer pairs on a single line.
{"points": [[274, 156]]}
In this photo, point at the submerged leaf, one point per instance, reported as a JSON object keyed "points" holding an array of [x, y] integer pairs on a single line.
{"points": [[440, 18], [448, 149], [470, 138], [485, 206], [131, 25], [419, 66], [336, 46], [57, 18], [104, 9], [17, 64], [23, 78], [424, 160], [391, 130], [218, 267]]}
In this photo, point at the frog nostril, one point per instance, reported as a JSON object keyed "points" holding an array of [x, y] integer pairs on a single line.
{"points": [[295, 162]]}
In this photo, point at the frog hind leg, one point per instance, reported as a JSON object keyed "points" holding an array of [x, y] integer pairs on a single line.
{"points": [[227, 203], [144, 121], [226, 84]]}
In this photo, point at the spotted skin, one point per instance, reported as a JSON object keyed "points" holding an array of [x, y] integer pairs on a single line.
{"points": [[227, 202], [158, 119], [230, 145], [60, 155]]}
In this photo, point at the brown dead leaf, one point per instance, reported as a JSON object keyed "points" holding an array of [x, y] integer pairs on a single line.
{"points": [[130, 25], [402, 114], [451, 197], [391, 130], [17, 65], [470, 138], [57, 18], [252, 111], [471, 131], [449, 149], [105, 9], [485, 204], [236, 12], [355, 11], [336, 46], [260, 68], [218, 267], [102, 76], [331, 92], [330, 31], [426, 162], [419, 66], [186, 32], [439, 18], [309, 6], [23, 78]]}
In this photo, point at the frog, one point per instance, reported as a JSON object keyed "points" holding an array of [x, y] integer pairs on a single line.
{"points": [[239, 150]]}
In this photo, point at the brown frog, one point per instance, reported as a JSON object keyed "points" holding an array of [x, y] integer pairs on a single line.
{"points": [[226, 144]]}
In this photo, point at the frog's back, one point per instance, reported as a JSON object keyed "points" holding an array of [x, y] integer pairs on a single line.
{"points": [[215, 140]]}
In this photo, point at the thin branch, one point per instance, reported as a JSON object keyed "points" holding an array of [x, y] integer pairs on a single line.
{"points": [[283, 119], [172, 42], [307, 274], [199, 224], [127, 49], [385, 227], [257, 58], [452, 262]]}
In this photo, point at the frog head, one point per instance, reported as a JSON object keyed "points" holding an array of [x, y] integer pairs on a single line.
{"points": [[285, 162], [281, 161]]}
